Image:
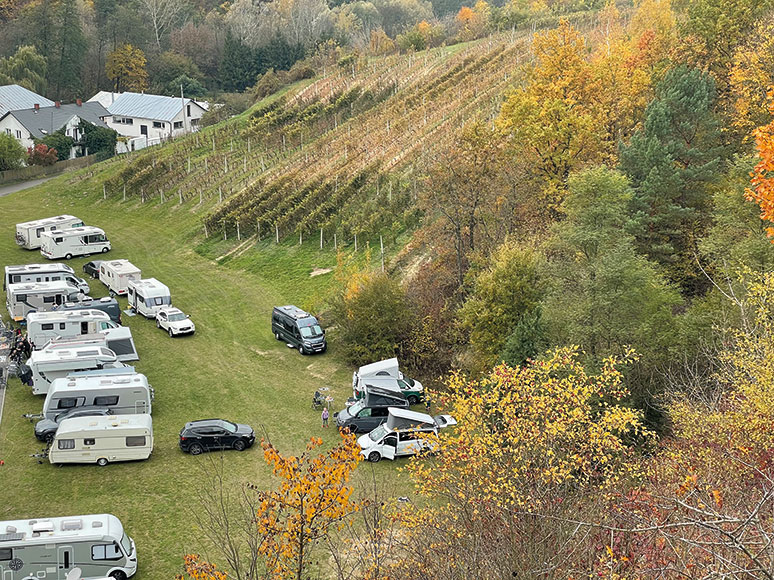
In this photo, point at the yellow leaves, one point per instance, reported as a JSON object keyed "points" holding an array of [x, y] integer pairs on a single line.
{"points": [[198, 569]]}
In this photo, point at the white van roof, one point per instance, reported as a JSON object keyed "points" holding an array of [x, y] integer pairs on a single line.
{"points": [[104, 424], [35, 287], [155, 287], [121, 267], [412, 416], [47, 221], [43, 530], [89, 382], [42, 268], [67, 315], [73, 232], [386, 367]]}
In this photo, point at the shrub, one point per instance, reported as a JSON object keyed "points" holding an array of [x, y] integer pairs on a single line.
{"points": [[12, 154], [41, 154]]}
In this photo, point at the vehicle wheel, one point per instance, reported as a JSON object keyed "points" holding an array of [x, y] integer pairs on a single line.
{"points": [[102, 462], [118, 575], [170, 334], [195, 449], [240, 445], [301, 350], [68, 256], [276, 335], [49, 438], [374, 457], [413, 400], [104, 250], [158, 324]]}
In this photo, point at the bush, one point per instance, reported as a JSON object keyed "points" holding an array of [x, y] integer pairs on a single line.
{"points": [[61, 142], [100, 141], [232, 104], [41, 155], [12, 154]]}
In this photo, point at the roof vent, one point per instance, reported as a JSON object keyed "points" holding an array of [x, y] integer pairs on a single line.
{"points": [[69, 525], [46, 526], [10, 529], [96, 524]]}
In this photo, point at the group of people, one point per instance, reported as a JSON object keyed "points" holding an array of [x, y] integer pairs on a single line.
{"points": [[22, 347]]}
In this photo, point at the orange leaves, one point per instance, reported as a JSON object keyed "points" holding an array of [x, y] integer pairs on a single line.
{"points": [[198, 569], [762, 180]]}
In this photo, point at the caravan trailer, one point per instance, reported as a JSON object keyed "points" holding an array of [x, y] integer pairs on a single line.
{"points": [[102, 440], [82, 241], [148, 296], [126, 393], [115, 274], [106, 304], [21, 299], [61, 325], [50, 548], [44, 273], [49, 364], [28, 234]]}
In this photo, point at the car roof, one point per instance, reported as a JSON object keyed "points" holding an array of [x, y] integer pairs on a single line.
{"points": [[170, 310], [208, 423]]}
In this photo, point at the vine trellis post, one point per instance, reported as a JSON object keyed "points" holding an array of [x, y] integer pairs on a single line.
{"points": [[321, 238], [335, 243], [276, 231]]}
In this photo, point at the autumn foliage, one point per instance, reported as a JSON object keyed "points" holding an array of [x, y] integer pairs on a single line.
{"points": [[762, 191]]}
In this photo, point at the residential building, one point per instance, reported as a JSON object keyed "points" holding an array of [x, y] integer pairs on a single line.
{"points": [[15, 97]]}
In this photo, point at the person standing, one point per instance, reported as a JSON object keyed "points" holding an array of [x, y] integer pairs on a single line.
{"points": [[325, 417]]}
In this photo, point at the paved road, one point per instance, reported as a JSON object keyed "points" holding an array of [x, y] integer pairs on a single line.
{"points": [[14, 187]]}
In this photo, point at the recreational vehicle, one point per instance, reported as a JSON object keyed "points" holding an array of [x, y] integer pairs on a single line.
{"points": [[414, 393], [44, 273], [405, 433], [106, 304], [126, 394], [298, 329], [115, 274], [385, 369], [49, 548], [49, 364], [21, 299], [148, 296], [102, 440], [28, 234], [82, 241], [61, 325]]}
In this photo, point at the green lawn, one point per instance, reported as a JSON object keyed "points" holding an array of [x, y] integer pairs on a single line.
{"points": [[231, 368]]}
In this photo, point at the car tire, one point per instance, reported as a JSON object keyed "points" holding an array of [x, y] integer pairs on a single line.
{"points": [[413, 400], [240, 445], [301, 350], [276, 335], [374, 457], [195, 449], [49, 439], [118, 575], [171, 334], [104, 250], [102, 461], [68, 256]]}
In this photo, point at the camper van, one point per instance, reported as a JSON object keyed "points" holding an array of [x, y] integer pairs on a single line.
{"points": [[82, 241], [28, 234], [148, 296], [50, 548], [126, 393], [44, 273], [106, 304], [298, 329], [403, 434], [115, 274], [59, 325], [414, 393], [385, 369], [49, 364], [102, 440], [21, 299], [370, 411]]}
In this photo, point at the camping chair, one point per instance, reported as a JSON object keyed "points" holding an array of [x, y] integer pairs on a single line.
{"points": [[317, 401]]}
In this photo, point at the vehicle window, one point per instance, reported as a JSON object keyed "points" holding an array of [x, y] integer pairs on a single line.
{"points": [[104, 326], [355, 409], [58, 240], [47, 326], [365, 412], [105, 552], [229, 427], [48, 300], [66, 444], [6, 554], [391, 440], [67, 403], [126, 544], [62, 326], [379, 412], [135, 441], [21, 298], [408, 436], [176, 317], [106, 401], [39, 231], [88, 441]]}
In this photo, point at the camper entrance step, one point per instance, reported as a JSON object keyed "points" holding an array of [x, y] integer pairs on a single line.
{"points": [[130, 312]]}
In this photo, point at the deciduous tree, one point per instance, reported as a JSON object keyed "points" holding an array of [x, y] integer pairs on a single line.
{"points": [[125, 67], [12, 154]]}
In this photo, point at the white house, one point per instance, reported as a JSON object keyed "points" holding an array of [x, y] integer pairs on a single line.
{"points": [[149, 119], [15, 97], [37, 122]]}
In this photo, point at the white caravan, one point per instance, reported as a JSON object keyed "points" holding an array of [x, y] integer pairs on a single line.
{"points": [[148, 296], [82, 241], [49, 364], [61, 325], [28, 234], [21, 299], [50, 548], [115, 274], [126, 393], [405, 433], [102, 440], [44, 273]]}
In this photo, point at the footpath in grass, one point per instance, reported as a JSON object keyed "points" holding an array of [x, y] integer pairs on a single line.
{"points": [[232, 368]]}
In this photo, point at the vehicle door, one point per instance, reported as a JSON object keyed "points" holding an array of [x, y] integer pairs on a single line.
{"points": [[162, 318], [390, 445], [296, 336], [64, 561], [202, 436], [378, 416], [219, 438]]}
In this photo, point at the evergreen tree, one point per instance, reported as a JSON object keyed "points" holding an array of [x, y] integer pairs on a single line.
{"points": [[68, 47], [237, 69]]}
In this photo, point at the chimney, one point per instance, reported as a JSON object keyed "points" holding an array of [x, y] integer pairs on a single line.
{"points": [[57, 104], [37, 107], [78, 102]]}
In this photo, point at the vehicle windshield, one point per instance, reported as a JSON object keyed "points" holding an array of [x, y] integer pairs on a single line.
{"points": [[229, 426], [377, 433], [126, 543], [356, 408], [311, 331], [176, 317], [159, 301]]}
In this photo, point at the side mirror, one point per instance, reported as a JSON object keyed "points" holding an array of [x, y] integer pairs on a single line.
{"points": [[188, 316]]}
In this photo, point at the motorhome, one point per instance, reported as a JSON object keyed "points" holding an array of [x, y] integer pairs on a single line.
{"points": [[50, 548], [115, 274], [66, 244], [59, 325], [414, 393], [298, 329], [106, 304], [21, 299], [49, 364], [386, 368], [370, 411], [28, 234], [404, 433], [102, 440], [148, 296], [52, 272], [126, 393]]}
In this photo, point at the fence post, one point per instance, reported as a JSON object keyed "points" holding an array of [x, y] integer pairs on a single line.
{"points": [[189, 164], [161, 193], [259, 229], [104, 193], [181, 197], [300, 238], [206, 234], [124, 192], [220, 195], [335, 245], [142, 195], [321, 238], [276, 230], [239, 234], [381, 245], [355, 242]]}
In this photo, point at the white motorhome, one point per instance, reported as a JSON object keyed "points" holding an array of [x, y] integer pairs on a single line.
{"points": [[379, 374], [53, 272], [102, 440], [21, 299], [405, 433], [82, 241], [28, 234], [61, 325], [49, 364], [126, 393], [115, 274], [148, 296], [50, 548]]}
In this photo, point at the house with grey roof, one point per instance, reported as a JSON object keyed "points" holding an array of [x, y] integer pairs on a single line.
{"points": [[149, 119], [15, 97], [28, 125]]}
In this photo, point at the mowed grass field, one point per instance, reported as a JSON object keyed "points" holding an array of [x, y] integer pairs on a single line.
{"points": [[232, 368]]}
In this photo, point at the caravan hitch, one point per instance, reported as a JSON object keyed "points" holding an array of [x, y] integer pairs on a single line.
{"points": [[32, 416]]}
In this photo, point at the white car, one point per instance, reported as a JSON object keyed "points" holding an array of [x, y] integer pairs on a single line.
{"points": [[174, 321]]}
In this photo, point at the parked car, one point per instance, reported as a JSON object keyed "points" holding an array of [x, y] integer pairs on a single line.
{"points": [[45, 429], [405, 433], [92, 268], [174, 321], [207, 434]]}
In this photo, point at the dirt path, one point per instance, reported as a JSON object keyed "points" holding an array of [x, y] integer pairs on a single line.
{"points": [[14, 187]]}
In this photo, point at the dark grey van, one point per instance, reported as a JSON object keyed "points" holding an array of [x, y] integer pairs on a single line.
{"points": [[298, 328], [109, 305], [371, 411]]}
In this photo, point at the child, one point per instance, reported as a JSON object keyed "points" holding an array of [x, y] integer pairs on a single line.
{"points": [[325, 417]]}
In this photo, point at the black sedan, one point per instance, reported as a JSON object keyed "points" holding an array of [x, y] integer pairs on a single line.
{"points": [[207, 434], [92, 268], [45, 429]]}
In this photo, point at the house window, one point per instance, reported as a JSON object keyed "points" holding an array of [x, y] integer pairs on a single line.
{"points": [[195, 122], [7, 131], [66, 444], [105, 552], [189, 110], [18, 134], [136, 441], [178, 124], [158, 125]]}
